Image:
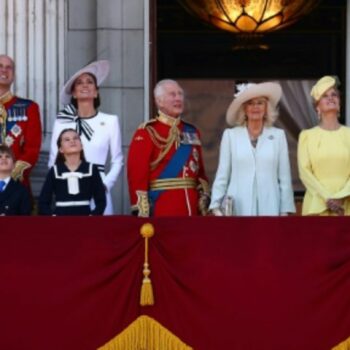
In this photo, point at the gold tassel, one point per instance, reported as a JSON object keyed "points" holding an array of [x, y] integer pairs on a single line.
{"points": [[345, 345], [145, 333], [146, 297]]}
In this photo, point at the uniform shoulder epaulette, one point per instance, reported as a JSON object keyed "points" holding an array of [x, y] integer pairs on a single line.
{"points": [[146, 123], [186, 122], [22, 102], [22, 99], [189, 124]]}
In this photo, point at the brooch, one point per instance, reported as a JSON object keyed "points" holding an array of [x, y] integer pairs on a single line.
{"points": [[271, 137]]}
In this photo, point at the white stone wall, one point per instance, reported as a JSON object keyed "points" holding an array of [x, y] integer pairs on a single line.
{"points": [[32, 32]]}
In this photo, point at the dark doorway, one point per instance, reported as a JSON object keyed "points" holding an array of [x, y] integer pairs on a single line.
{"points": [[208, 62], [312, 47]]}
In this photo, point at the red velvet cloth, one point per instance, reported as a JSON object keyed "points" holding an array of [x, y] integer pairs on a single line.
{"points": [[219, 283]]}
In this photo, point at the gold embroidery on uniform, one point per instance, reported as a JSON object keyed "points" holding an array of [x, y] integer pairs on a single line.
{"points": [[3, 117], [172, 184], [6, 97], [165, 119], [164, 144], [143, 204], [20, 167]]}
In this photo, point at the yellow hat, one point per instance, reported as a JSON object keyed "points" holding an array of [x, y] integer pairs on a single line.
{"points": [[322, 86]]}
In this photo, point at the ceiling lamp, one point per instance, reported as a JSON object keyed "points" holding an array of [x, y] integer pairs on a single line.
{"points": [[249, 16]]}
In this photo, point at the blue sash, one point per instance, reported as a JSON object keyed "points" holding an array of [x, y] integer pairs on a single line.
{"points": [[174, 166]]}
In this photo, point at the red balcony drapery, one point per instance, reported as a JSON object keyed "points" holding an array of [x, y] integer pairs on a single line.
{"points": [[219, 283]]}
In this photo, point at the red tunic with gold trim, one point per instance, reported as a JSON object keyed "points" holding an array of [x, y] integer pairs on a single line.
{"points": [[22, 133], [152, 147]]}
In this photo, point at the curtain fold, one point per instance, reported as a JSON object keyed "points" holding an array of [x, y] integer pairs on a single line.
{"points": [[219, 283]]}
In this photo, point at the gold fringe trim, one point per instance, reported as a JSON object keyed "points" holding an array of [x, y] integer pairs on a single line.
{"points": [[345, 345], [146, 296], [145, 333]]}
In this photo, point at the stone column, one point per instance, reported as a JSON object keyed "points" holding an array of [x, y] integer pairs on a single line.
{"points": [[121, 39], [32, 33]]}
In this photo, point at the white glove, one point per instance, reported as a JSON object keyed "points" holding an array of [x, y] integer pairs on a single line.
{"points": [[217, 212]]}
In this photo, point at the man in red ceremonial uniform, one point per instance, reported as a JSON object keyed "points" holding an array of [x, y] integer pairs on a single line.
{"points": [[165, 167], [20, 126]]}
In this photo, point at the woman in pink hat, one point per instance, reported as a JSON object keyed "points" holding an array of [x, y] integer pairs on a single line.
{"points": [[99, 132], [254, 170], [324, 155]]}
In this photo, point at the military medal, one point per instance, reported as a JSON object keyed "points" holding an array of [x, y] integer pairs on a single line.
{"points": [[194, 167], [16, 130], [9, 140], [195, 154]]}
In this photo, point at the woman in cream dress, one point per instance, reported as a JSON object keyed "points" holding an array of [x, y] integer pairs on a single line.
{"points": [[254, 164], [324, 155]]}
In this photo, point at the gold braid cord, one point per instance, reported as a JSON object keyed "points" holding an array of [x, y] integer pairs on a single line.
{"points": [[3, 113], [146, 297], [204, 196], [204, 186], [164, 144], [148, 334], [345, 345], [3, 117]]}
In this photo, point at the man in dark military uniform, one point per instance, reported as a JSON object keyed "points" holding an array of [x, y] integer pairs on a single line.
{"points": [[20, 126], [165, 167]]}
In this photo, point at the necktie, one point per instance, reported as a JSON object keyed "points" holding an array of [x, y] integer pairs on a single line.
{"points": [[2, 185]]}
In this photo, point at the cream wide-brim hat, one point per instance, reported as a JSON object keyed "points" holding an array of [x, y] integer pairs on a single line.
{"points": [[99, 69], [272, 91]]}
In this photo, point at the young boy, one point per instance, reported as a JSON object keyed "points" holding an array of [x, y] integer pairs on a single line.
{"points": [[14, 197]]}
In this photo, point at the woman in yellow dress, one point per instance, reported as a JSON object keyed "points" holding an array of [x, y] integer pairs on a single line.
{"points": [[324, 155]]}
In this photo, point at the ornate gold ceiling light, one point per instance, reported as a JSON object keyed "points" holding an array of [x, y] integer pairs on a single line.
{"points": [[250, 16]]}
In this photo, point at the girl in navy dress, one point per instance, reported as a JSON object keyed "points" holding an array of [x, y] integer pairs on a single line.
{"points": [[72, 183]]}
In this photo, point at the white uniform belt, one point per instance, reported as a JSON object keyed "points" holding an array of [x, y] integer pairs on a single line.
{"points": [[72, 203]]}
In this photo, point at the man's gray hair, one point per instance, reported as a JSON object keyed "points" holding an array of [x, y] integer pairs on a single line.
{"points": [[159, 88]]}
